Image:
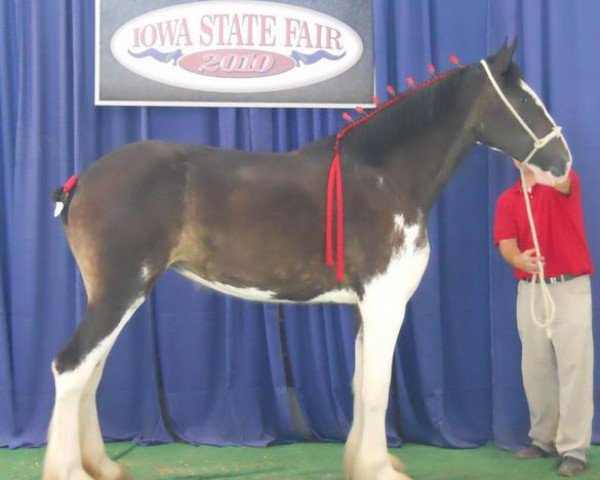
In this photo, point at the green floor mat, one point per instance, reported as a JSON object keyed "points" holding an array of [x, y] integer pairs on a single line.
{"points": [[304, 461]]}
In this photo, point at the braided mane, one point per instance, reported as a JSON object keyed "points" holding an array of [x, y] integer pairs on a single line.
{"points": [[372, 143], [403, 117], [398, 98]]}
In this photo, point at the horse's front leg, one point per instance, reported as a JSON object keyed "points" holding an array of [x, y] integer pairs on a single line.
{"points": [[353, 441], [366, 455], [357, 420], [382, 310]]}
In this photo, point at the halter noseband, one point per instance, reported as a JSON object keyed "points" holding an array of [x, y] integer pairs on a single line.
{"points": [[538, 143]]}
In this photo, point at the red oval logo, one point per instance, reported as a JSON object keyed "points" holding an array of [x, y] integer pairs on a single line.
{"points": [[236, 63]]}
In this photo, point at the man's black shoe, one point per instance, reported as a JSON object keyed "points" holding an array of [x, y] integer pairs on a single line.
{"points": [[533, 451], [569, 467]]}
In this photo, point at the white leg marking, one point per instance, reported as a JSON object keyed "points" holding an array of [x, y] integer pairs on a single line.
{"points": [[357, 421], [63, 454], [382, 309], [63, 457], [94, 457], [353, 440]]}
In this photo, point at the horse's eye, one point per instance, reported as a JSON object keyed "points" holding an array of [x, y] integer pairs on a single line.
{"points": [[524, 99]]}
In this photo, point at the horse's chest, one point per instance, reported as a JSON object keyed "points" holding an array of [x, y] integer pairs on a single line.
{"points": [[407, 262]]}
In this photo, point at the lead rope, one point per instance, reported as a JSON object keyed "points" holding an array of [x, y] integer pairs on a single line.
{"points": [[549, 306], [538, 143]]}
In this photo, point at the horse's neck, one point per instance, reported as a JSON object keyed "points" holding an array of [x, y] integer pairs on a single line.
{"points": [[424, 165], [445, 161]]}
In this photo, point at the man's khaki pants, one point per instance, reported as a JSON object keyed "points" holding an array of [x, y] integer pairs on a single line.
{"points": [[558, 372]]}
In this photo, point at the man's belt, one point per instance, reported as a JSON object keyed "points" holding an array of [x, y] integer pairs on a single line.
{"points": [[557, 279]]}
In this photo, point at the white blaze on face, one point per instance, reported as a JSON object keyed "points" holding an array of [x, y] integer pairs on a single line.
{"points": [[527, 89]]}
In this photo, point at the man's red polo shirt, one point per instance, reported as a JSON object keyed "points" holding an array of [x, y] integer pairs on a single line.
{"points": [[559, 223]]}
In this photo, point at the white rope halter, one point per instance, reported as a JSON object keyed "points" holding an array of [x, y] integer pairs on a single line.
{"points": [[538, 143]]}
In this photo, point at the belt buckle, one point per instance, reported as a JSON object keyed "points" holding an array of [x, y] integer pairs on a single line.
{"points": [[558, 279]]}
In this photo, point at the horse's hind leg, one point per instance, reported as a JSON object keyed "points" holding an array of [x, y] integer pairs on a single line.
{"points": [[77, 370], [94, 458]]}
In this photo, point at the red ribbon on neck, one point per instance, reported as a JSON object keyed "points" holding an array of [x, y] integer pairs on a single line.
{"points": [[334, 188]]}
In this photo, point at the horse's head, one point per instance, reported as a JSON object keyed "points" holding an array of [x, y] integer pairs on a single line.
{"points": [[513, 119]]}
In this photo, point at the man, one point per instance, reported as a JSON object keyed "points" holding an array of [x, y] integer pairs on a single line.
{"points": [[557, 371]]}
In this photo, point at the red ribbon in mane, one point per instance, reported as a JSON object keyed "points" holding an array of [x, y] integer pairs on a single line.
{"points": [[334, 182]]}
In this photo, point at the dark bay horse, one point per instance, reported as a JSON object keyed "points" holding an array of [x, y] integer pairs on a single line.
{"points": [[252, 225]]}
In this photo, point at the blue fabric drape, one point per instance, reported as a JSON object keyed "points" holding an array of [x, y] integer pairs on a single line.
{"points": [[226, 366]]}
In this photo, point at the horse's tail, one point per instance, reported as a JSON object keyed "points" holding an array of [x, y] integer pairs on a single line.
{"points": [[62, 197]]}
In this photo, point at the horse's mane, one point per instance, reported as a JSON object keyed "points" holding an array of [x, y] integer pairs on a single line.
{"points": [[513, 73], [403, 117]]}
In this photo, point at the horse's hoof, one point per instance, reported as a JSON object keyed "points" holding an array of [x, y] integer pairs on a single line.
{"points": [[75, 473], [107, 469], [397, 464], [390, 473], [386, 472]]}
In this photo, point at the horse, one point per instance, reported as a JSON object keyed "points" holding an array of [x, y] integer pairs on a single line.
{"points": [[252, 225]]}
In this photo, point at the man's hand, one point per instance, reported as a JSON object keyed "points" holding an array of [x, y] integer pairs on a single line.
{"points": [[534, 174], [525, 260], [528, 261], [563, 186]]}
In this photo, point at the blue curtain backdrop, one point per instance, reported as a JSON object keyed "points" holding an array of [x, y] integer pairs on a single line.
{"points": [[225, 366]]}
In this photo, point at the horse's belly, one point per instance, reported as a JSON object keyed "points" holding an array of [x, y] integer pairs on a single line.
{"points": [[251, 293]]}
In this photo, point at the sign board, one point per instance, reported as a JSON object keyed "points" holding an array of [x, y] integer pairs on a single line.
{"points": [[295, 53]]}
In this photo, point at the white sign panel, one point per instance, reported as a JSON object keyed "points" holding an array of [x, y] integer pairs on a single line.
{"points": [[233, 52]]}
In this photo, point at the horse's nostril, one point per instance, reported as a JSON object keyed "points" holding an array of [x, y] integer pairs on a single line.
{"points": [[556, 172]]}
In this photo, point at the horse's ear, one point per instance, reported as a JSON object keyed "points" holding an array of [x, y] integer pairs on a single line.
{"points": [[513, 47], [500, 61]]}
